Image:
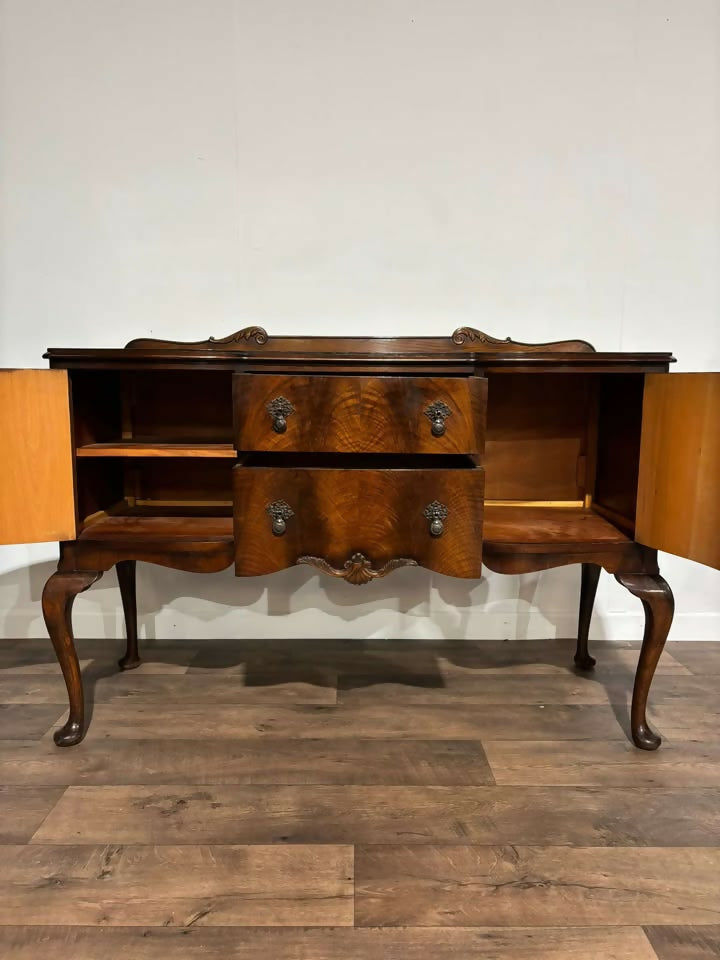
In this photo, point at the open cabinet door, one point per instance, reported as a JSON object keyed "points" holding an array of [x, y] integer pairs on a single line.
{"points": [[37, 489], [678, 505]]}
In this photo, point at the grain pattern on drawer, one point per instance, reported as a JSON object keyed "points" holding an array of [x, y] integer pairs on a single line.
{"points": [[338, 414], [331, 517]]}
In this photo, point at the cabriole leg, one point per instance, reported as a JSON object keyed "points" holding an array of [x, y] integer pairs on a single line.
{"points": [[588, 589], [657, 599], [57, 603], [126, 579]]}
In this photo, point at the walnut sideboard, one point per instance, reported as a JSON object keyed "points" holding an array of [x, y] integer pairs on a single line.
{"points": [[357, 456]]}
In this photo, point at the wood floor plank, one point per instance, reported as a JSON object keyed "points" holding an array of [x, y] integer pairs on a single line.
{"points": [[475, 687], [536, 657], [415, 660], [614, 662], [602, 763], [696, 719], [425, 885], [685, 943], [347, 761], [321, 661], [700, 657], [39, 666], [36, 656], [163, 688], [667, 688], [374, 721], [346, 814], [19, 721], [313, 686], [464, 684], [177, 886], [23, 809], [386, 943], [222, 791]]}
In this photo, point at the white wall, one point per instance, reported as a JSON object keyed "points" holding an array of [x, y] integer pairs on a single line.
{"points": [[537, 168]]}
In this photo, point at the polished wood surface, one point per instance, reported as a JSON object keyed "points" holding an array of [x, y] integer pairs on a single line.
{"points": [[37, 492], [57, 603], [373, 354], [423, 836], [251, 338], [126, 574], [590, 578], [678, 502], [361, 414], [142, 527], [379, 513], [515, 528], [175, 450], [659, 605]]}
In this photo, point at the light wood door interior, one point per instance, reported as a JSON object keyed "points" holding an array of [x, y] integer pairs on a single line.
{"points": [[37, 498], [679, 484]]}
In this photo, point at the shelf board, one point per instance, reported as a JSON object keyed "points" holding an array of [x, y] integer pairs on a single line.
{"points": [[505, 525], [139, 528], [131, 449]]}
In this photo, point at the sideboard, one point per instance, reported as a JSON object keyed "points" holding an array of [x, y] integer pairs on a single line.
{"points": [[357, 456]]}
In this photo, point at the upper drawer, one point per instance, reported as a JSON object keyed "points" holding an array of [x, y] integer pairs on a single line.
{"points": [[340, 414]]}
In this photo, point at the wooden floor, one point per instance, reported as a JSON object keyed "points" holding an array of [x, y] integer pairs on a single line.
{"points": [[365, 801]]}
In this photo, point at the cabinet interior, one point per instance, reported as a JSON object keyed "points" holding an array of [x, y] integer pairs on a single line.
{"points": [[160, 443]]}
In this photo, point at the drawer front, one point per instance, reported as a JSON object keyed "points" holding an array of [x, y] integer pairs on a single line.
{"points": [[358, 524], [338, 414]]}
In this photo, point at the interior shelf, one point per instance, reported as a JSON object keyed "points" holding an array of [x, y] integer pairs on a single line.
{"points": [[182, 525], [133, 449], [510, 525]]}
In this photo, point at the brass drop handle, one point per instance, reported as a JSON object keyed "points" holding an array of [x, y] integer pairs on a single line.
{"points": [[437, 413], [436, 513], [279, 410], [280, 512]]}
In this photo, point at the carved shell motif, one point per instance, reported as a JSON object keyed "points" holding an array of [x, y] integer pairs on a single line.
{"points": [[358, 570]]}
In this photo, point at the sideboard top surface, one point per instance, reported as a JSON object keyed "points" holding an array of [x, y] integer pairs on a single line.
{"points": [[465, 350]]}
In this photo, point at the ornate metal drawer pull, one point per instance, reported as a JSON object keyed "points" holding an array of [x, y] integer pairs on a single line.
{"points": [[279, 409], [436, 513], [358, 570], [437, 413], [280, 512]]}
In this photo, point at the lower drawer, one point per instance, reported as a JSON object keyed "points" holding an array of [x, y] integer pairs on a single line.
{"points": [[358, 524]]}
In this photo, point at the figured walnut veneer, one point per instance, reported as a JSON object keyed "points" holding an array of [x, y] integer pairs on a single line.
{"points": [[343, 414], [378, 513]]}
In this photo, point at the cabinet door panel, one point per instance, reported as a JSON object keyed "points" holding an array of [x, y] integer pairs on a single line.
{"points": [[37, 496], [679, 484]]}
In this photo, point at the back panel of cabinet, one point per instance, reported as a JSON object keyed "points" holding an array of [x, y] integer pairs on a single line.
{"points": [[537, 436]]}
